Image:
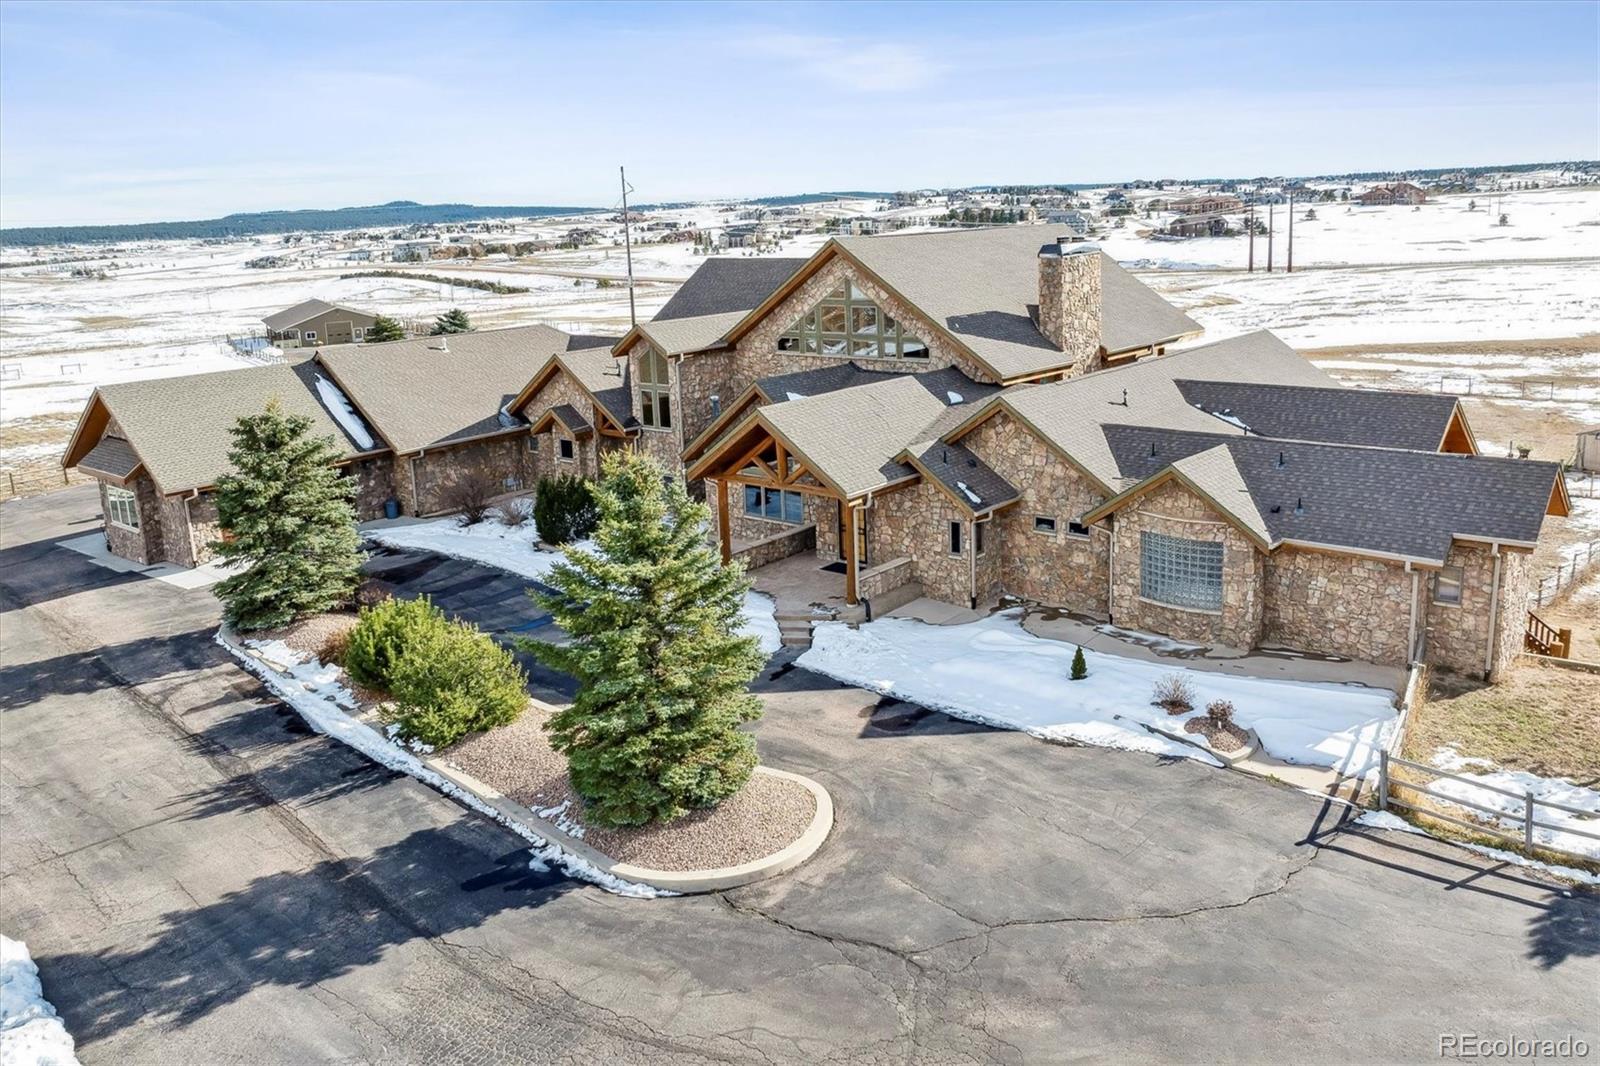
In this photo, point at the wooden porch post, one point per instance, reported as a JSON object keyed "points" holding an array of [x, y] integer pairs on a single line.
{"points": [[722, 520], [849, 552]]}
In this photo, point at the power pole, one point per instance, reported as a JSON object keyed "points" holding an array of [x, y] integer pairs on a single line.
{"points": [[627, 246], [1288, 266], [1271, 209], [1250, 224]]}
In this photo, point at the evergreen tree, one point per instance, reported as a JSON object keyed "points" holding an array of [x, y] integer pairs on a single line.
{"points": [[654, 617], [287, 511], [454, 320], [384, 328], [1080, 668]]}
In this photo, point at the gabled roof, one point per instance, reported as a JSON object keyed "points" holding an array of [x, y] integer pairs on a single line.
{"points": [[604, 377], [679, 335], [966, 479], [305, 309], [181, 427], [1068, 415], [1335, 415], [568, 416], [727, 283], [981, 288], [1381, 501], [428, 391], [113, 458]]}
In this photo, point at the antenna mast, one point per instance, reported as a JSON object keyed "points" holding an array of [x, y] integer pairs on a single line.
{"points": [[627, 245], [1271, 209], [1289, 265], [1250, 224]]}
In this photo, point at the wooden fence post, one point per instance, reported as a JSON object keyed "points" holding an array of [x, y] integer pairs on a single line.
{"points": [[1383, 780], [1527, 819]]}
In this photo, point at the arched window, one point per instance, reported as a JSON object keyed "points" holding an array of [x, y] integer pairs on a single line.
{"points": [[846, 322], [655, 399]]}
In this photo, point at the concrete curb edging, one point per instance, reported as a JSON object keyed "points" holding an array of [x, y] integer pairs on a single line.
{"points": [[685, 882]]}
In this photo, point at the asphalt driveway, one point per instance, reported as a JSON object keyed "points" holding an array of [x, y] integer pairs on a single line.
{"points": [[203, 880]]}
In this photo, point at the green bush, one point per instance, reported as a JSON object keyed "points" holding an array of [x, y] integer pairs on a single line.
{"points": [[454, 680], [381, 635], [447, 678], [1080, 668], [564, 509]]}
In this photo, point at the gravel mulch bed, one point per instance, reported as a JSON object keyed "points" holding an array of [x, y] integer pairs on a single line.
{"points": [[1223, 737], [310, 635], [765, 816]]}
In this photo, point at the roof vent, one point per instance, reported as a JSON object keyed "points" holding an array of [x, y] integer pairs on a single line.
{"points": [[972, 462], [1276, 509], [944, 455], [1281, 463], [1299, 505], [1152, 447], [443, 344]]}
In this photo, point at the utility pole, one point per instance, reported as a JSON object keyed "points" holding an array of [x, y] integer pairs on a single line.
{"points": [[1250, 224], [1288, 267], [1271, 209], [627, 246]]}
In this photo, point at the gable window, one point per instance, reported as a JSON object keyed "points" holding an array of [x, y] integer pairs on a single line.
{"points": [[566, 449], [655, 400], [122, 507], [846, 322], [1447, 586], [1180, 572], [1044, 524], [777, 505], [955, 538]]}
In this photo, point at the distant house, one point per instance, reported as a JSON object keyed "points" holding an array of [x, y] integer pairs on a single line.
{"points": [[1072, 222], [317, 322], [1588, 458], [1400, 192], [1207, 205], [1197, 226]]}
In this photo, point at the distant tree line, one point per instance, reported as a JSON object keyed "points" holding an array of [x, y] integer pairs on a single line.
{"points": [[468, 283]]}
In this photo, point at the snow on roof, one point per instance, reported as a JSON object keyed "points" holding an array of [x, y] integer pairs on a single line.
{"points": [[343, 412]]}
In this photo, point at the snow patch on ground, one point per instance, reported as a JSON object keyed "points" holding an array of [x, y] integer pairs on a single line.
{"points": [[1547, 789], [316, 692], [517, 550], [994, 672], [31, 1034], [1392, 821]]}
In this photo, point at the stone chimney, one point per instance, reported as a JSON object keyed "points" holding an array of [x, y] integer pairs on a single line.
{"points": [[1069, 300]]}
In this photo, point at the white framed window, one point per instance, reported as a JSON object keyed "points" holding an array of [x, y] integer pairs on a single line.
{"points": [[847, 322], [777, 505], [1180, 572], [122, 507], [655, 390], [311, 335], [1077, 529], [1447, 586], [566, 449], [1043, 523]]}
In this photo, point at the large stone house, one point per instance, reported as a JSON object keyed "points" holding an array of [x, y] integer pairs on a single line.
{"points": [[958, 415]]}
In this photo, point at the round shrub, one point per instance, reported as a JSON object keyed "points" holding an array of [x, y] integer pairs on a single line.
{"points": [[564, 509], [382, 633], [452, 680]]}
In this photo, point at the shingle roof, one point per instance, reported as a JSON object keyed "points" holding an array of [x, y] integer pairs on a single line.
{"points": [[725, 284], [969, 479], [689, 334], [182, 426], [605, 377], [983, 286], [1415, 420], [1390, 501], [1070, 413], [569, 417], [942, 383], [291, 316], [113, 457], [433, 390]]}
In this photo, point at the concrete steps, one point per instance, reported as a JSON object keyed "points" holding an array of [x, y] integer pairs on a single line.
{"points": [[794, 627]]}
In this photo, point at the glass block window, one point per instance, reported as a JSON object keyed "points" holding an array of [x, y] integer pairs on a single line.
{"points": [[655, 399], [775, 504], [122, 507], [1180, 572], [848, 323]]}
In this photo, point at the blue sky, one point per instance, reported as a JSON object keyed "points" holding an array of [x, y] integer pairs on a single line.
{"points": [[129, 112]]}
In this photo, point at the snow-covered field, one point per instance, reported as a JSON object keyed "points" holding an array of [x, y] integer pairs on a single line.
{"points": [[993, 671], [1545, 790], [31, 1033], [517, 550]]}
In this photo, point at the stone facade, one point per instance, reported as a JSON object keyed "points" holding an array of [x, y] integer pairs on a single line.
{"points": [[1336, 604], [506, 459], [882, 580], [915, 522], [145, 544], [1175, 511], [1057, 568], [1459, 636], [1069, 303], [792, 540]]}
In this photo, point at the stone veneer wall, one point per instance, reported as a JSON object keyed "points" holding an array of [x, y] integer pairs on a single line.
{"points": [[1458, 636], [1059, 569], [885, 578], [665, 444], [1175, 511], [915, 522], [438, 472], [1339, 605], [145, 544], [1069, 305], [1516, 585], [790, 541], [819, 511]]}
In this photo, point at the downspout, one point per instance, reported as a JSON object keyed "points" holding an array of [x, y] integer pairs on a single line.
{"points": [[1411, 628], [972, 563], [1494, 610], [411, 461], [1111, 575]]}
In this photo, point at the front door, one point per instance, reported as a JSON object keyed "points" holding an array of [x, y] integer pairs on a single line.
{"points": [[861, 535]]}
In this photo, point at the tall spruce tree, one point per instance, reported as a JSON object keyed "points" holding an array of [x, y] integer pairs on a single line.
{"points": [[656, 646], [287, 513], [384, 328], [454, 320]]}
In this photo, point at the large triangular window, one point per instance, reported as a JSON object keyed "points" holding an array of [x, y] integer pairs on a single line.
{"points": [[846, 322]]}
